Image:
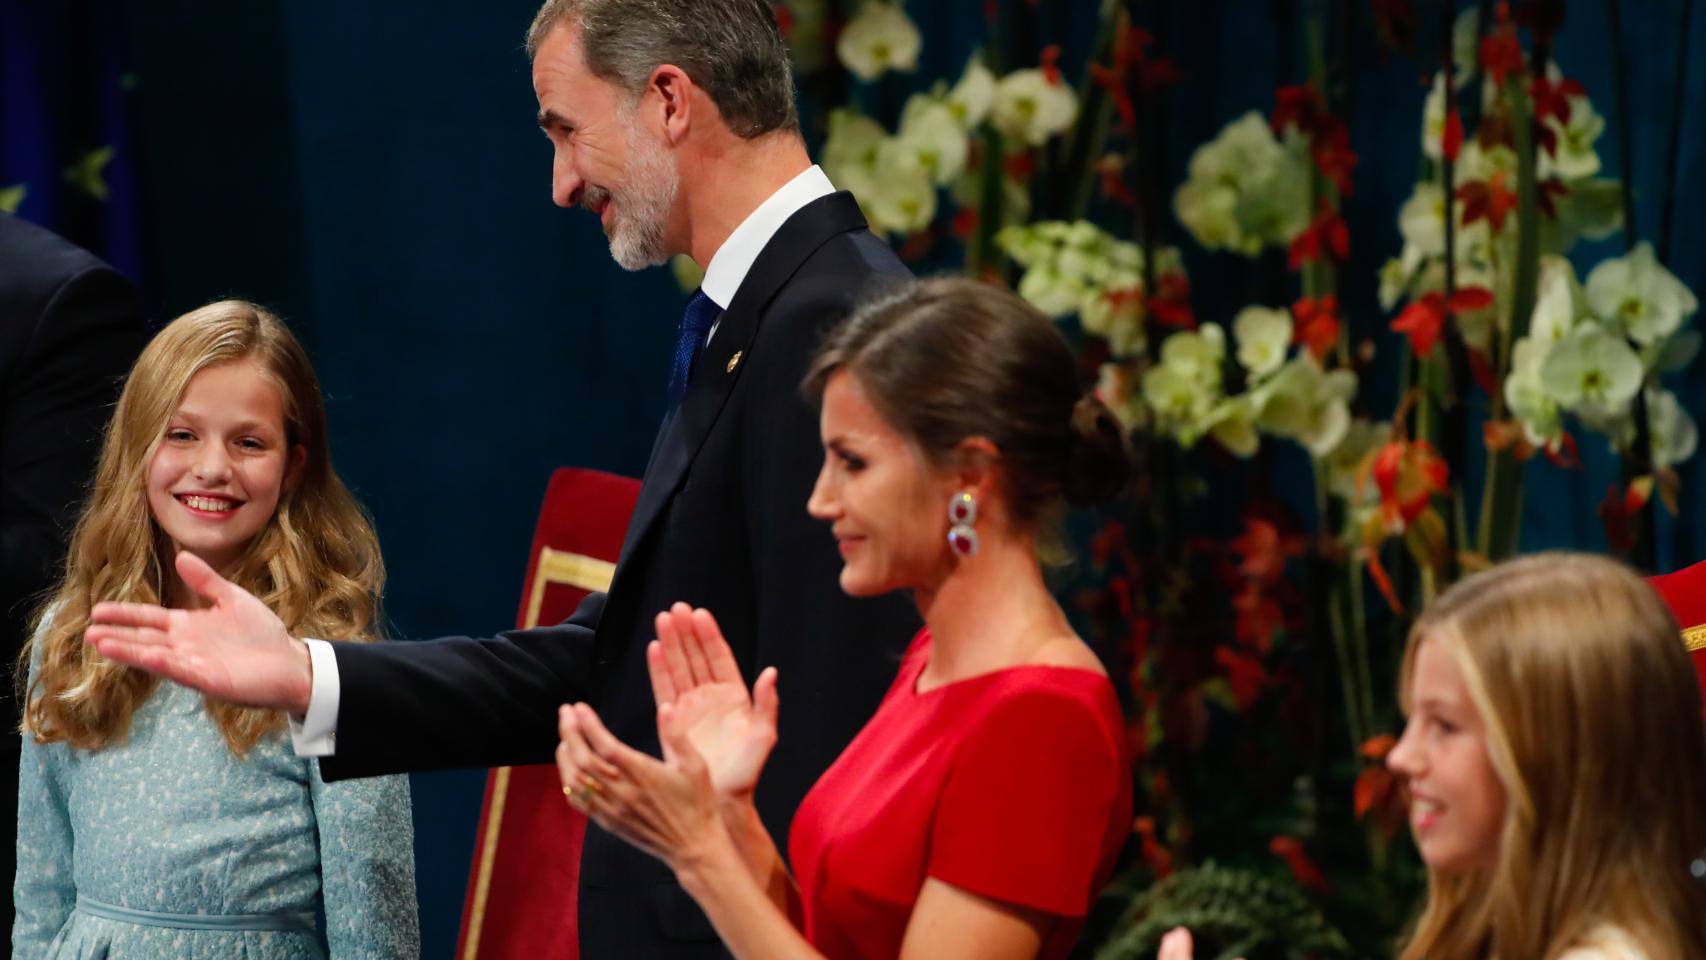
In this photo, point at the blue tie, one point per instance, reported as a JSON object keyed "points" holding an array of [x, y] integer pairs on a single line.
{"points": [[702, 313]]}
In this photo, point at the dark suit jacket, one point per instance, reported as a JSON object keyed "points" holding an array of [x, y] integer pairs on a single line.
{"points": [[721, 523], [69, 329]]}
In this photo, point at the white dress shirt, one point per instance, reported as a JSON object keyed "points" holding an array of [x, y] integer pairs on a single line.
{"points": [[315, 733]]}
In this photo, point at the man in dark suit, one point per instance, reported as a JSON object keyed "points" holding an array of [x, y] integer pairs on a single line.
{"points": [[674, 121], [69, 329]]}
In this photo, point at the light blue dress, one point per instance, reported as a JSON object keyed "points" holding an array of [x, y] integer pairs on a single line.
{"points": [[172, 822]]}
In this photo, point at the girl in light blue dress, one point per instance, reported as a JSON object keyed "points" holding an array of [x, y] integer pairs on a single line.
{"points": [[153, 823]]}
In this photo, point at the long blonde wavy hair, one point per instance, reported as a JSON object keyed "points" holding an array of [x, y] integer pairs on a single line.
{"points": [[1592, 715], [316, 563]]}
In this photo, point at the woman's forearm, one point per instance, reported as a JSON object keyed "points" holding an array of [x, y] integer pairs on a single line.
{"points": [[758, 851], [751, 924]]}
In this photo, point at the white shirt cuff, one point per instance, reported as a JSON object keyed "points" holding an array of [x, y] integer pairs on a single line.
{"points": [[316, 733]]}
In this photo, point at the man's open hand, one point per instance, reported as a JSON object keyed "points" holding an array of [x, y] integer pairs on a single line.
{"points": [[235, 649]]}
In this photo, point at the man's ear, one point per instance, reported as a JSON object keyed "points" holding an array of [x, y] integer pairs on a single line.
{"points": [[674, 90]]}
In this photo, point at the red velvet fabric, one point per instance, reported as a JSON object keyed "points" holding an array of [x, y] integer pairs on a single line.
{"points": [[1685, 592], [527, 909]]}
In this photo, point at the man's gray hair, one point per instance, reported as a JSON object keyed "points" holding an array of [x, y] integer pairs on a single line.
{"points": [[732, 49]]}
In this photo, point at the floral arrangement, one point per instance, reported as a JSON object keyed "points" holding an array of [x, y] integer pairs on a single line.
{"points": [[1249, 653]]}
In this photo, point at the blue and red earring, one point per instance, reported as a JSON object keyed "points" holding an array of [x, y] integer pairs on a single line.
{"points": [[962, 513]]}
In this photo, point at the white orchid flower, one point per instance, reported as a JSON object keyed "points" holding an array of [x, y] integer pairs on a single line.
{"points": [[1030, 108], [1178, 399], [1196, 354], [1637, 295], [1246, 189], [1307, 404], [1674, 434], [1232, 424], [900, 201], [973, 95], [1346, 459], [930, 139], [1574, 158], [881, 38], [1559, 302], [1116, 313], [1591, 373], [1263, 335], [1526, 395], [851, 147], [1421, 220], [1051, 290]]}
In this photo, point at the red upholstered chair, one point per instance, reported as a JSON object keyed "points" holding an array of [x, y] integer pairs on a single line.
{"points": [[523, 883], [1685, 592]]}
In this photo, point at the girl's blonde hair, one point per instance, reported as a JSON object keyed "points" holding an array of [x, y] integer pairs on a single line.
{"points": [[1593, 724], [316, 563]]}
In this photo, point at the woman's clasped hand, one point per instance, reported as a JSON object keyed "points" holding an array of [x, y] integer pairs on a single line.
{"points": [[715, 737]]}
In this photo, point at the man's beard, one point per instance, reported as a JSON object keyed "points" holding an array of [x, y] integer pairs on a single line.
{"points": [[641, 205]]}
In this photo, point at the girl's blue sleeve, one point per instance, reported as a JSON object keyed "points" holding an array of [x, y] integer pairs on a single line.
{"points": [[43, 892], [367, 867]]}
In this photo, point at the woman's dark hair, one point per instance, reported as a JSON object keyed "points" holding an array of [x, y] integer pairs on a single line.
{"points": [[951, 358]]}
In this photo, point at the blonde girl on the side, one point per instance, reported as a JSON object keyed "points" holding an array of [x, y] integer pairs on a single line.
{"points": [[1567, 675], [142, 803], [1555, 765]]}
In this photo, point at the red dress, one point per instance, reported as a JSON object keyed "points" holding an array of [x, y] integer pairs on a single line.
{"points": [[1012, 785]]}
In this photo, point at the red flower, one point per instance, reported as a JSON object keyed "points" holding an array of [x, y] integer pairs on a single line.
{"points": [[1303, 870], [1259, 617], [1407, 473], [1297, 106], [1326, 234], [1501, 54], [1050, 63], [1171, 305], [1552, 98], [1451, 141], [1112, 169], [1424, 319], [1318, 323], [1131, 54], [1020, 166], [1244, 673], [964, 223], [1264, 550], [1333, 155], [1156, 855], [1488, 199], [1377, 788]]}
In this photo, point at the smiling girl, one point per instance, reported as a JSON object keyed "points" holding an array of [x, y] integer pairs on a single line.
{"points": [[1556, 768], [152, 822]]}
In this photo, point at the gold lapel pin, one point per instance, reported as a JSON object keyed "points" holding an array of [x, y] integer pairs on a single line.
{"points": [[734, 361]]}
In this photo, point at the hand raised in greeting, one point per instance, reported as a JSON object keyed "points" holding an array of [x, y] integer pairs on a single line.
{"points": [[234, 649]]}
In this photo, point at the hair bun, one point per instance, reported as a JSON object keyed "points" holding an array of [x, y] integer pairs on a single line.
{"points": [[1099, 460]]}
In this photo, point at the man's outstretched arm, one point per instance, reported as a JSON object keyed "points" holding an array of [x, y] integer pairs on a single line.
{"points": [[455, 702]]}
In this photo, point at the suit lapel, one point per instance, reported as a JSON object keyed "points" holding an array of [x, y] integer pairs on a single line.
{"points": [[714, 375]]}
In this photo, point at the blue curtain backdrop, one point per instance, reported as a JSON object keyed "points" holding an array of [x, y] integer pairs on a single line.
{"points": [[372, 172], [67, 137]]}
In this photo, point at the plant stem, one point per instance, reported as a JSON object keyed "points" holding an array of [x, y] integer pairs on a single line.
{"points": [[1638, 458], [1501, 505]]}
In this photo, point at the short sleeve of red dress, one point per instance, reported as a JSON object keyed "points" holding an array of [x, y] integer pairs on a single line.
{"points": [[1031, 807]]}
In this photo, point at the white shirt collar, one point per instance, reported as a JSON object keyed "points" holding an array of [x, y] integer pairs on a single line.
{"points": [[733, 260]]}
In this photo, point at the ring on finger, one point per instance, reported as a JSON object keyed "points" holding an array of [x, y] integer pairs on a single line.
{"points": [[577, 797]]}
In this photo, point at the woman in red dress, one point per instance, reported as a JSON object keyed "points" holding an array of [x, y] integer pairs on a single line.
{"points": [[982, 807]]}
